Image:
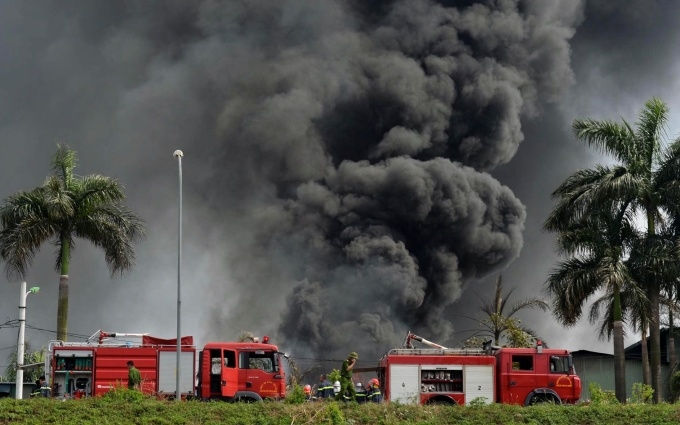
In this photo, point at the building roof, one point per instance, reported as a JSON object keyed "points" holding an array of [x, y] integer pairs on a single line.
{"points": [[634, 351], [587, 353]]}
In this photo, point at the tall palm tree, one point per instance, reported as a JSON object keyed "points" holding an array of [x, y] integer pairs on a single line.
{"points": [[67, 206], [498, 319], [595, 246], [642, 179]]}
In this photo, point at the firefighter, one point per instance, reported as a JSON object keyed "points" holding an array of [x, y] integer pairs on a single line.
{"points": [[373, 391], [134, 377], [346, 386], [360, 393], [41, 388], [325, 388]]}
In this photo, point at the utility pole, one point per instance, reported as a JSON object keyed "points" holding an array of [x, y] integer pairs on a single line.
{"points": [[19, 391], [179, 154]]}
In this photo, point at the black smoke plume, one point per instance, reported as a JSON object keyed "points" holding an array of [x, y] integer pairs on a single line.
{"points": [[374, 135]]}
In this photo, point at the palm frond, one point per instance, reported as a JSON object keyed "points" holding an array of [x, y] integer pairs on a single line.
{"points": [[58, 199], [650, 126], [65, 161], [95, 190], [571, 284], [529, 303], [26, 224], [608, 136], [113, 228], [588, 192]]}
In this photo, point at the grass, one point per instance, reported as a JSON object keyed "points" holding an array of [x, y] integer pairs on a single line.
{"points": [[126, 410]]}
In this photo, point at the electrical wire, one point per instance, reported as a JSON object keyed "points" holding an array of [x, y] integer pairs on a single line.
{"points": [[75, 335]]}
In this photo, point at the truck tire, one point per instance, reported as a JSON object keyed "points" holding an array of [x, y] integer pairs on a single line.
{"points": [[441, 400], [542, 395], [247, 397]]}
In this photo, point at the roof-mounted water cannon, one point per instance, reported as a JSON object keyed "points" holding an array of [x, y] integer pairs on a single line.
{"points": [[413, 337]]}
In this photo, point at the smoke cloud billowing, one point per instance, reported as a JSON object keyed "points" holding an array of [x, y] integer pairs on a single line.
{"points": [[343, 194]]}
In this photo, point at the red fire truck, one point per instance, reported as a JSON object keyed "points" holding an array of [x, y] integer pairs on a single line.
{"points": [[248, 371], [522, 376], [227, 370]]}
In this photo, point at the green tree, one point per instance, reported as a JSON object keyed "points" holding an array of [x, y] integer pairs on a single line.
{"points": [[644, 179], [499, 320], [67, 206], [595, 249], [30, 358]]}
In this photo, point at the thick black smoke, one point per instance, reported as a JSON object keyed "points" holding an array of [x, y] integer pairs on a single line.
{"points": [[374, 139], [343, 193]]}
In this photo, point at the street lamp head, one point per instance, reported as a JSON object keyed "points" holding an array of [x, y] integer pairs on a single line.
{"points": [[34, 290], [178, 154]]}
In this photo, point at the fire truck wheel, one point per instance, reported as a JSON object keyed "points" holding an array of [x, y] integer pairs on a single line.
{"points": [[537, 398], [247, 397], [441, 400]]}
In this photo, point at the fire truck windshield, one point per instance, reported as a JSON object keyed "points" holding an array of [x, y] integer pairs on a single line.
{"points": [[559, 364], [263, 360]]}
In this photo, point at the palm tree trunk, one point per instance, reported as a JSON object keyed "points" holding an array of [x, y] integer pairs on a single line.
{"points": [[671, 341], [62, 307], [619, 353], [655, 341], [646, 373], [654, 330]]}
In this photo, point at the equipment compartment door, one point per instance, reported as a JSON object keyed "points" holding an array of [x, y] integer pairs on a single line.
{"points": [[478, 383], [405, 384], [167, 369], [229, 374]]}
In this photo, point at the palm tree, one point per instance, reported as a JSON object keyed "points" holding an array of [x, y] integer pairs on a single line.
{"points": [[65, 207], [642, 180], [498, 320], [596, 246]]}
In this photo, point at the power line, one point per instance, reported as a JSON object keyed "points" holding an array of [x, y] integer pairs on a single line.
{"points": [[75, 335]]}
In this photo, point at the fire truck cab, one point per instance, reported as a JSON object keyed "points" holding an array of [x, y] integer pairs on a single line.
{"points": [[535, 375], [245, 371]]}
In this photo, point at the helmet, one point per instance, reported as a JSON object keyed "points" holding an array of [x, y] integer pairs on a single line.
{"points": [[307, 389], [374, 383], [353, 355]]}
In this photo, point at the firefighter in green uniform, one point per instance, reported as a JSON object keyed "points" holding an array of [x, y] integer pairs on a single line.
{"points": [[347, 391], [134, 377]]}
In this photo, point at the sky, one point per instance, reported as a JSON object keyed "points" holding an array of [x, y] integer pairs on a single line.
{"points": [[352, 170]]}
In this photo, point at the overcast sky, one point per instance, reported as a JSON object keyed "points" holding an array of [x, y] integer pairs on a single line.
{"points": [[350, 171]]}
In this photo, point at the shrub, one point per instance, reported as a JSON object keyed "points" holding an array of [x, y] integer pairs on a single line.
{"points": [[641, 393], [335, 415], [120, 393], [478, 402], [334, 375], [296, 395], [600, 396]]}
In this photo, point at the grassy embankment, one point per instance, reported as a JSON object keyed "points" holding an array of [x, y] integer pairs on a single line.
{"points": [[124, 409]]}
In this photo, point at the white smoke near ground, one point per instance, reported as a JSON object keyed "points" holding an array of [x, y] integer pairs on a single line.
{"points": [[343, 190]]}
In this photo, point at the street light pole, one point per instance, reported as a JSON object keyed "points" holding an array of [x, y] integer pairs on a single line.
{"points": [[179, 154], [19, 391]]}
